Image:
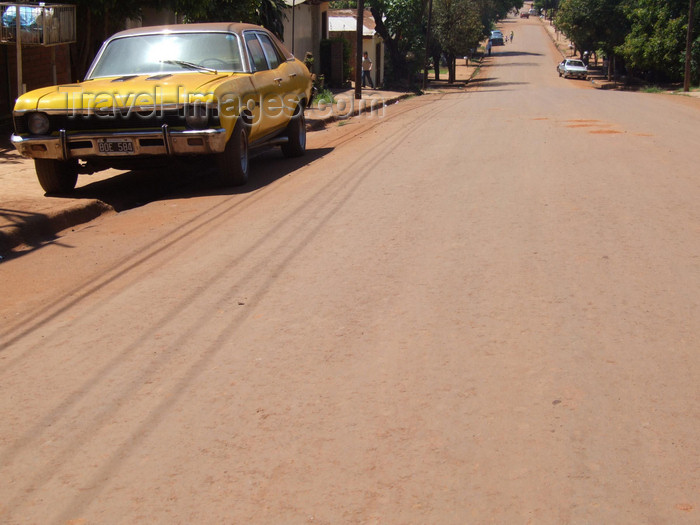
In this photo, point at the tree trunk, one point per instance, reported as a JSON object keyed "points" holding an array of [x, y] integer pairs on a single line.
{"points": [[451, 64], [689, 46], [398, 61], [84, 46]]}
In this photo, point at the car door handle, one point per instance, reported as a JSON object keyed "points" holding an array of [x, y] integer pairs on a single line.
{"points": [[279, 81], [292, 75]]}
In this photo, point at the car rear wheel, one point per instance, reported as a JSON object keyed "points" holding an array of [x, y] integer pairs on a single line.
{"points": [[56, 176], [232, 164], [296, 134]]}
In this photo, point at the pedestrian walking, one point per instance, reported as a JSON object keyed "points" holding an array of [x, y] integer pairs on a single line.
{"points": [[511, 36], [488, 47], [367, 70]]}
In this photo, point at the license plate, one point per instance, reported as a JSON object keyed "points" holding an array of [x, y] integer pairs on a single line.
{"points": [[115, 146]]}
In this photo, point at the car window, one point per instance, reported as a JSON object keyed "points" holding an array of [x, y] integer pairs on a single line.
{"points": [[576, 63], [257, 55], [270, 50], [167, 53]]}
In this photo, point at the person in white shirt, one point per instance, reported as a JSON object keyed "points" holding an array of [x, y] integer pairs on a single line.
{"points": [[366, 71]]}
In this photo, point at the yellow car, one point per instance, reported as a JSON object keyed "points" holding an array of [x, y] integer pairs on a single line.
{"points": [[159, 92]]}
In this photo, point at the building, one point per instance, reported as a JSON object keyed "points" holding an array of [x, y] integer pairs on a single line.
{"points": [[305, 26], [342, 23]]}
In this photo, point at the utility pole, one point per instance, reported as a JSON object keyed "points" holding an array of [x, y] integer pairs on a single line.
{"points": [[358, 52], [427, 47], [689, 46]]}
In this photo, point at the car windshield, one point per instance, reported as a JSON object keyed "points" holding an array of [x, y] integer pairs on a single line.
{"points": [[169, 53], [575, 63]]}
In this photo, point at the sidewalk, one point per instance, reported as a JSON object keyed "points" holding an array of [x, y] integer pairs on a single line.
{"points": [[29, 218]]}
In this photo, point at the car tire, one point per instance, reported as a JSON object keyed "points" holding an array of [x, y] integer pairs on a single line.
{"points": [[296, 135], [56, 176], [232, 163]]}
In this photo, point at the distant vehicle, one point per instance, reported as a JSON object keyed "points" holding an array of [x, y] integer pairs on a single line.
{"points": [[572, 68], [524, 15], [496, 38], [533, 12]]}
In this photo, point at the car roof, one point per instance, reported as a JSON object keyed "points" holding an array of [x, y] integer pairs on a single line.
{"points": [[211, 27]]}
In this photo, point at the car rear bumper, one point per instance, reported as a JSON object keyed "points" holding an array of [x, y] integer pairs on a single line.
{"points": [[135, 143]]}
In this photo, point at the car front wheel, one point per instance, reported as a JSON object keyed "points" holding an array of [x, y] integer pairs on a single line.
{"points": [[232, 164], [56, 176]]}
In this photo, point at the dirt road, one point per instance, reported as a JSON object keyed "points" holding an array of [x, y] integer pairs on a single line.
{"points": [[481, 307]]}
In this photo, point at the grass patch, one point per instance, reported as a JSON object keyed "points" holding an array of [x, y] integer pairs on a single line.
{"points": [[692, 89], [325, 96], [652, 89]]}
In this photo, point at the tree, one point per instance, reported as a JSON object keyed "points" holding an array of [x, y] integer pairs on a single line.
{"points": [[400, 23], [96, 20], [458, 29], [655, 44], [267, 13], [548, 6], [493, 10]]}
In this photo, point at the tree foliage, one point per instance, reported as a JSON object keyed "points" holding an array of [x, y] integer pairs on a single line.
{"points": [[593, 24], [655, 44], [267, 13], [547, 6], [401, 24], [493, 10]]}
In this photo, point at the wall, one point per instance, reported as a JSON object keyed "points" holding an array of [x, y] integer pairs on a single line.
{"points": [[307, 30], [37, 71]]}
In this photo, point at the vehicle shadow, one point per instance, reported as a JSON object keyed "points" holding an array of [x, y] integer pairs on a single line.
{"points": [[189, 178], [132, 189]]}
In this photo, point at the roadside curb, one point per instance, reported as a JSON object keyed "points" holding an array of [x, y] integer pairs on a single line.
{"points": [[315, 124], [38, 227]]}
